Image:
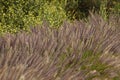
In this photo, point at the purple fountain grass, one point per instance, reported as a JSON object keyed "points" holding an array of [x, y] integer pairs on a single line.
{"points": [[78, 51]]}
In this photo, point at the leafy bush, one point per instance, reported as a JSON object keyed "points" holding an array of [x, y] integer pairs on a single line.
{"points": [[78, 9], [16, 15], [78, 51], [54, 13], [20, 14]]}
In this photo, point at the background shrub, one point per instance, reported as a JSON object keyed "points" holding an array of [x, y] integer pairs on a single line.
{"points": [[78, 9], [20, 14], [54, 13]]}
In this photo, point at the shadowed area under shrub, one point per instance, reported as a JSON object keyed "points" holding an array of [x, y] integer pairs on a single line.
{"points": [[78, 51]]}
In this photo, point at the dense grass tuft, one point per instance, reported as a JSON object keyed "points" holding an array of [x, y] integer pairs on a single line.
{"points": [[79, 51]]}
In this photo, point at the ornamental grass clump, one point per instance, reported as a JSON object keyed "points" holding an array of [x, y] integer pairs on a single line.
{"points": [[77, 51]]}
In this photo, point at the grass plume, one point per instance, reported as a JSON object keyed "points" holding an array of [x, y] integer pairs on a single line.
{"points": [[78, 51]]}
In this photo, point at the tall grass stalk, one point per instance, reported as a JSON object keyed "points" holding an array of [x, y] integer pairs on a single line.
{"points": [[78, 51]]}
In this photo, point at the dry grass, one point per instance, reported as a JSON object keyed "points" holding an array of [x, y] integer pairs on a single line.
{"points": [[79, 51]]}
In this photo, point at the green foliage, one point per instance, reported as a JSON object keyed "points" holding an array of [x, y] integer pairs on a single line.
{"points": [[107, 7], [78, 9], [54, 13], [92, 59], [16, 15], [103, 9], [116, 7], [20, 14]]}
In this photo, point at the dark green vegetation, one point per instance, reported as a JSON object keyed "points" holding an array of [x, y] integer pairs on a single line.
{"points": [[77, 51], [16, 15], [78, 9]]}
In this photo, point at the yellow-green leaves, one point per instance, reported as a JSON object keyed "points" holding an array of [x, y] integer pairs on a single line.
{"points": [[20, 14], [54, 14]]}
